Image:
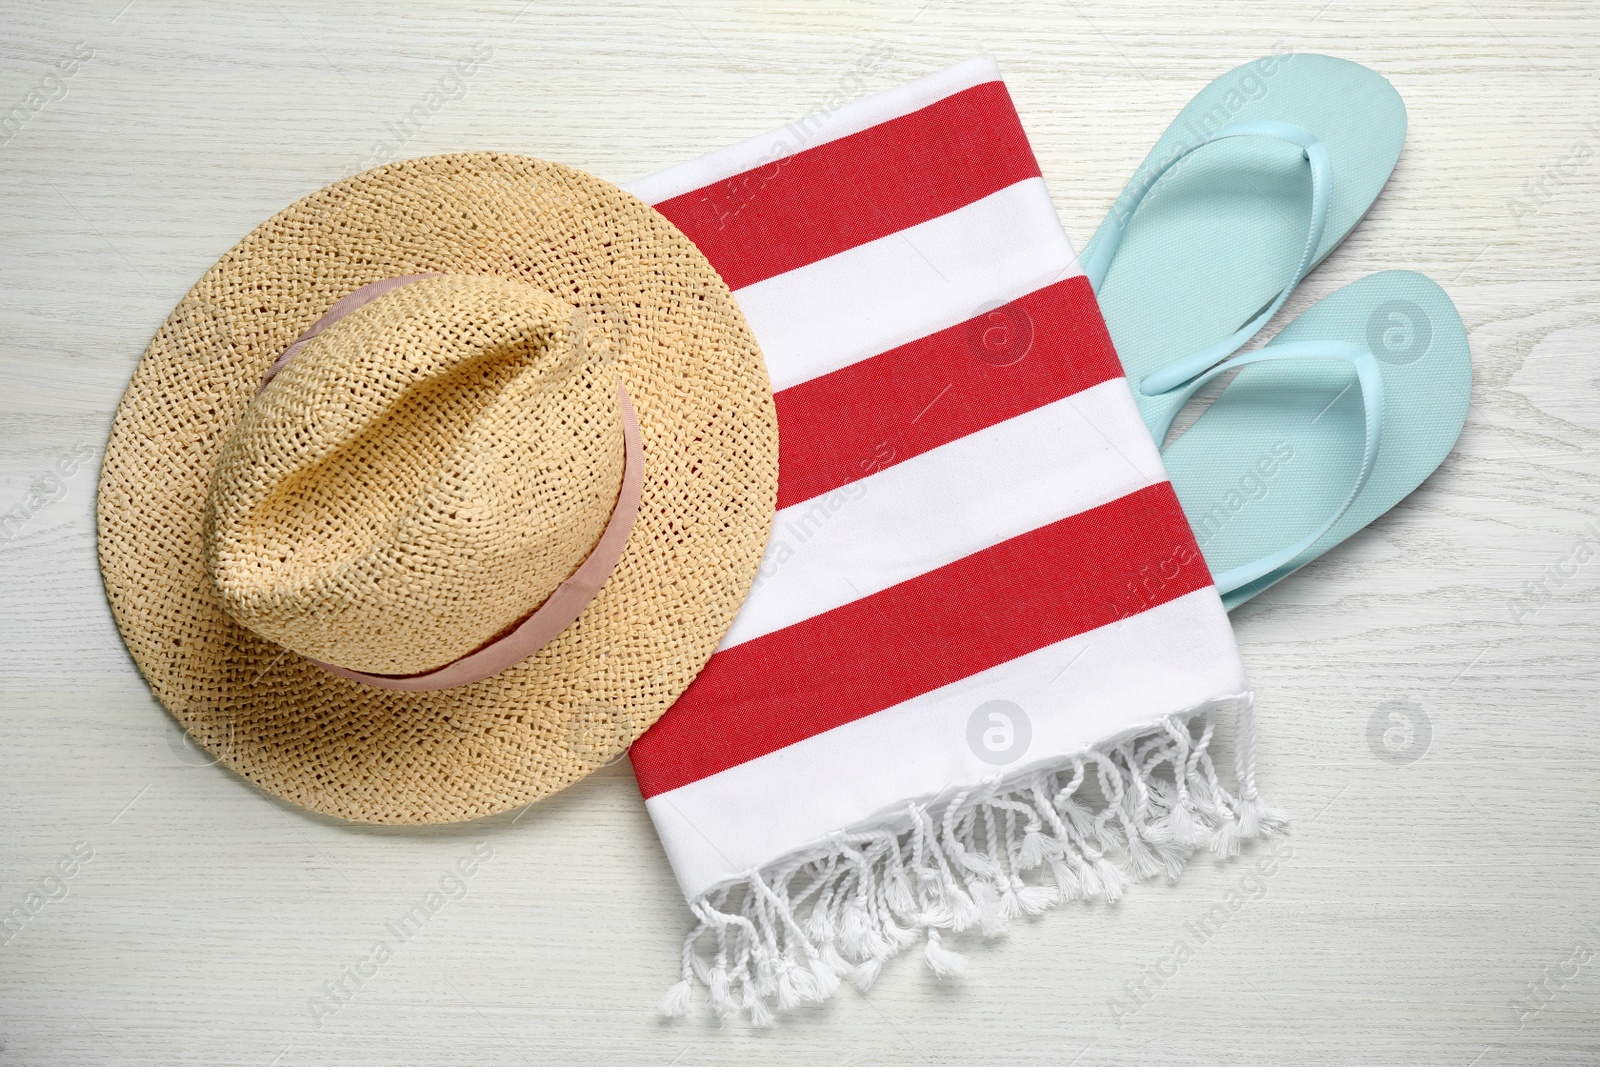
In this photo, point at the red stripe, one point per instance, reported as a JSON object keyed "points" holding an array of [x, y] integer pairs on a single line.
{"points": [[881, 411], [822, 201], [1016, 597]]}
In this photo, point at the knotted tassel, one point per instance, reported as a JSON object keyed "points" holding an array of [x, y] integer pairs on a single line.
{"points": [[943, 962]]}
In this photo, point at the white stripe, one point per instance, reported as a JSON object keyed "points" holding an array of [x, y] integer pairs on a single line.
{"points": [[813, 130], [962, 497], [1075, 694], [885, 293]]}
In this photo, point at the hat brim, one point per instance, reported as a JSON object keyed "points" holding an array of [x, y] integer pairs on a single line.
{"points": [[688, 360]]}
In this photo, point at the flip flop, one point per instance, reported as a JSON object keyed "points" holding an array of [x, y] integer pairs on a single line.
{"points": [[1346, 411], [1259, 177]]}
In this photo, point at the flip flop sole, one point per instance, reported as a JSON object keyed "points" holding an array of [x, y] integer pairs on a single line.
{"points": [[1219, 236], [1279, 449]]}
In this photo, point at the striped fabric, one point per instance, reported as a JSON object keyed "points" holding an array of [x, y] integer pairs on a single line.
{"points": [[970, 507]]}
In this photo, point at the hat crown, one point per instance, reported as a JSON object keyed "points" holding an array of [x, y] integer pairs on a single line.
{"points": [[418, 478]]}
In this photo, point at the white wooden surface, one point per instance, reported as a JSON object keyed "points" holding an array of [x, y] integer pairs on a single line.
{"points": [[1422, 898]]}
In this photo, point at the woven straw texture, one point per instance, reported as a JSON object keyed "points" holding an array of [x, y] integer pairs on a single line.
{"points": [[417, 477], [651, 312]]}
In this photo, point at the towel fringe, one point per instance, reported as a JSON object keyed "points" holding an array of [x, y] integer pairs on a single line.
{"points": [[1015, 845]]}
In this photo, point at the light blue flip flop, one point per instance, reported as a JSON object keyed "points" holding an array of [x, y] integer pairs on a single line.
{"points": [[1259, 177], [1345, 412]]}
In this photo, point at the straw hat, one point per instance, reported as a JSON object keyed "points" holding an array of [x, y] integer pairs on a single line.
{"points": [[439, 488]]}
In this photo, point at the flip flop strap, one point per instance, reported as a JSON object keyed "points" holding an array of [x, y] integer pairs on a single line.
{"points": [[1099, 264], [1371, 382]]}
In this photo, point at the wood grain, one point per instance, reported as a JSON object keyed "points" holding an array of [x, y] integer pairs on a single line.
{"points": [[1420, 900]]}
